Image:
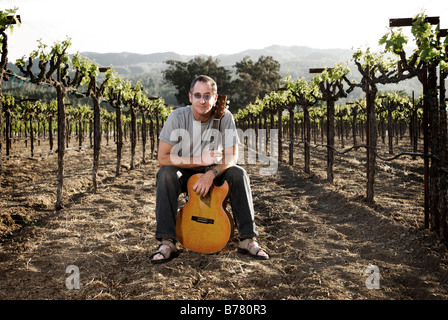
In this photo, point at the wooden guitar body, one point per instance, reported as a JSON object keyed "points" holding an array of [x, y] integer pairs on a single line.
{"points": [[204, 225]]}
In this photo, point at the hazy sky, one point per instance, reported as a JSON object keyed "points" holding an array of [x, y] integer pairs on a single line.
{"points": [[208, 27]]}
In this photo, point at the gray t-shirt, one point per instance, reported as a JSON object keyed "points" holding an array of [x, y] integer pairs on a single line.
{"points": [[190, 137]]}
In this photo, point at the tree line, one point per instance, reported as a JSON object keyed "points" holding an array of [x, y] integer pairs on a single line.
{"points": [[242, 83], [252, 79]]}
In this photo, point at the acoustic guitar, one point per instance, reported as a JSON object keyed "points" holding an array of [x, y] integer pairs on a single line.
{"points": [[204, 224]]}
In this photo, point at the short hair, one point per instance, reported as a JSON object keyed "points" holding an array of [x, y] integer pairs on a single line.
{"points": [[205, 79]]}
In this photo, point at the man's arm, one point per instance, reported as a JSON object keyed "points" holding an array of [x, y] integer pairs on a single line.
{"points": [[208, 158], [229, 159], [166, 157]]}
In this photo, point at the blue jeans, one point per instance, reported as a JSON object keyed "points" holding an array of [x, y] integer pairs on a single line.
{"points": [[170, 186]]}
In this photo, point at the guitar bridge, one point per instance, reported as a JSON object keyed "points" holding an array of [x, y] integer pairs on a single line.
{"points": [[202, 220]]}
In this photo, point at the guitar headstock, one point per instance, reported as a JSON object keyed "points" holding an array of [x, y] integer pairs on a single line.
{"points": [[220, 106]]}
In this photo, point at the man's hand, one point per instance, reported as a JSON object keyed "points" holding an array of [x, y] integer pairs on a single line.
{"points": [[204, 183]]}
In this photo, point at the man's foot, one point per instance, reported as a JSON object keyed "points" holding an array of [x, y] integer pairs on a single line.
{"points": [[166, 252], [251, 247]]}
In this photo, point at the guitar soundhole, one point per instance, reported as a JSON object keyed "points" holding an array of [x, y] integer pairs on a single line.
{"points": [[203, 220]]}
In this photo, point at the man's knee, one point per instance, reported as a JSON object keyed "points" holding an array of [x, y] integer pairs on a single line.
{"points": [[167, 175], [237, 174]]}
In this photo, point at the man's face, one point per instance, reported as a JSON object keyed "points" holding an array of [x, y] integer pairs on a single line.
{"points": [[202, 99]]}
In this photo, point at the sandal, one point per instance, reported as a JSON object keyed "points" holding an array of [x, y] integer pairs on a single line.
{"points": [[250, 247], [167, 253]]}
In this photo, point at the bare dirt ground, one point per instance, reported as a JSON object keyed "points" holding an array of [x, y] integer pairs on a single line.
{"points": [[321, 237]]}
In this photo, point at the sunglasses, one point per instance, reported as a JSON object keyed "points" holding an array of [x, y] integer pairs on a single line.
{"points": [[206, 97]]}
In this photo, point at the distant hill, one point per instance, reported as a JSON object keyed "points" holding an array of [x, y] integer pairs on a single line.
{"points": [[127, 64], [284, 54]]}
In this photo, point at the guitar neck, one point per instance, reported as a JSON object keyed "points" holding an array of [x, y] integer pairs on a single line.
{"points": [[219, 111], [214, 134]]}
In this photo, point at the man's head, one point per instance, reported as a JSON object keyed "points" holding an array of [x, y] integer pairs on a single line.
{"points": [[205, 79], [203, 94]]}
